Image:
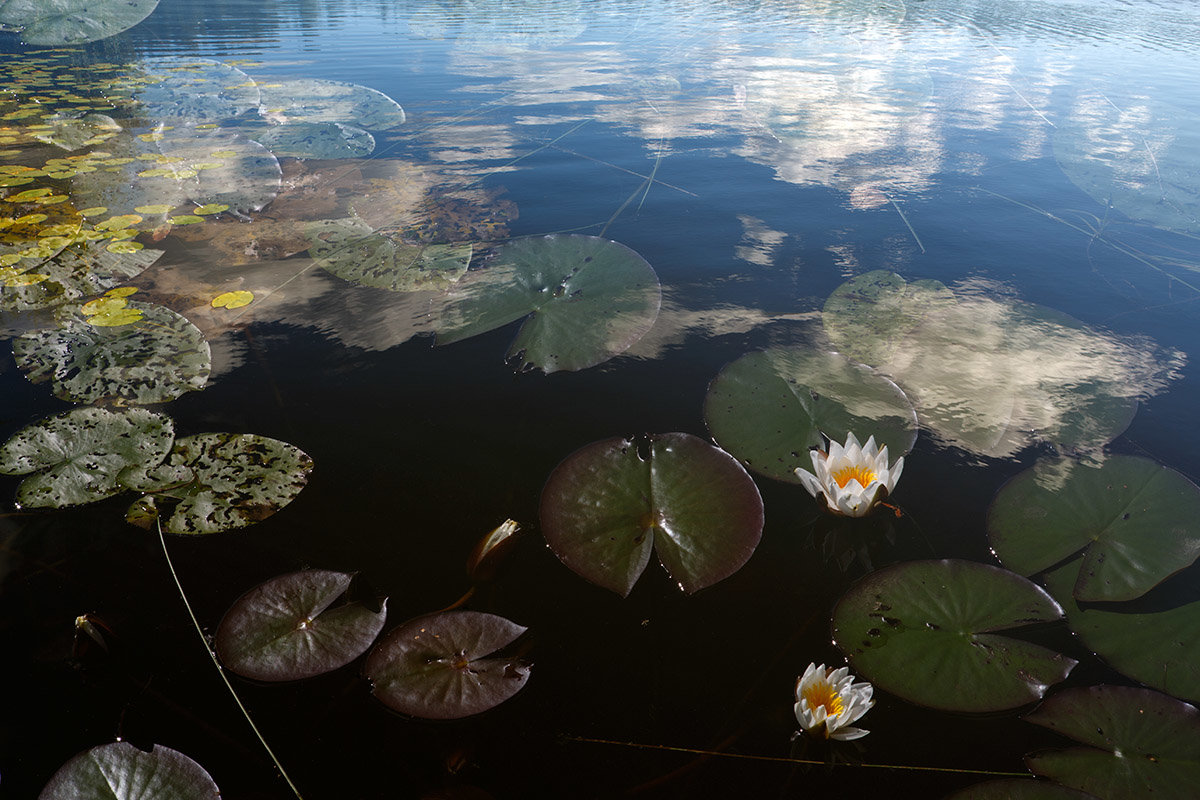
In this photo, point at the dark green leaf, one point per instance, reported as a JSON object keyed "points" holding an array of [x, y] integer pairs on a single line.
{"points": [[352, 250], [120, 771], [1019, 789]]}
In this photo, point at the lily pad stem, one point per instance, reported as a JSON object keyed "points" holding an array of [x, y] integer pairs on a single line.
{"points": [[221, 670]]}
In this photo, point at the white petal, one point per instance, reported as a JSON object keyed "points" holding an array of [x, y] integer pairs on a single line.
{"points": [[848, 734], [810, 482]]}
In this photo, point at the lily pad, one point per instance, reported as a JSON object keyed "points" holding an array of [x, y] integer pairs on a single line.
{"points": [[156, 359], [1136, 522], [194, 90], [284, 629], [1159, 648], [869, 317], [31, 229], [320, 101], [120, 771], [74, 130], [1019, 789], [80, 455], [73, 21], [222, 168], [352, 250], [441, 666], [769, 408], [315, 140], [607, 505], [235, 481], [927, 632], [81, 270], [1137, 743], [584, 300]]}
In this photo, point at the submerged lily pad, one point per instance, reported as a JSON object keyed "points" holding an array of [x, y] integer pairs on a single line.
{"points": [[83, 269], [221, 168], [315, 140], [80, 455], [232, 480], [584, 300], [769, 408], [438, 666], [607, 505], [154, 359], [120, 771], [1136, 522], [319, 101], [352, 250], [284, 629], [1160, 648], [869, 316], [1136, 743], [73, 21], [926, 631], [194, 90]]}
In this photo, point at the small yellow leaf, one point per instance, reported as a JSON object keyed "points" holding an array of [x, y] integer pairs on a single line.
{"points": [[185, 219], [155, 209], [211, 208], [119, 222], [103, 305], [124, 247], [26, 279], [94, 211], [123, 316], [29, 194], [31, 219], [121, 291], [233, 299]]}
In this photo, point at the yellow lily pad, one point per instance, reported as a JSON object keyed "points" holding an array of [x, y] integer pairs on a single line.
{"points": [[185, 219], [233, 300], [124, 247], [211, 208]]}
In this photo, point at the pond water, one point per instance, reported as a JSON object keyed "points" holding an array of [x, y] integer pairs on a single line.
{"points": [[994, 205]]}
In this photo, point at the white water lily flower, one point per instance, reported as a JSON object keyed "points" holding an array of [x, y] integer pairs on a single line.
{"points": [[828, 700], [852, 478]]}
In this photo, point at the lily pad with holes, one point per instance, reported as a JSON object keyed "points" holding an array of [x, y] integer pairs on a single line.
{"points": [[235, 480], [443, 666], [73, 21], [1136, 743], [927, 631], [1157, 643], [313, 100], [769, 408], [352, 250], [120, 771], [288, 628], [155, 359], [315, 140], [79, 456], [1135, 521], [610, 503], [584, 300], [81, 270]]}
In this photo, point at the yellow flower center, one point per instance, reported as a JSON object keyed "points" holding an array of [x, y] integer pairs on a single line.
{"points": [[864, 475], [822, 694]]}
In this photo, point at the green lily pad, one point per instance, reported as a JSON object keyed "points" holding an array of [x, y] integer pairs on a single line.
{"points": [[769, 408], [81, 270], [285, 630], [869, 317], [1137, 743], [315, 140], [80, 455], [1136, 522], [584, 300], [926, 631], [193, 90], [154, 359], [321, 101], [236, 480], [442, 666], [607, 505], [120, 771], [73, 21], [352, 250], [1159, 648], [1019, 789]]}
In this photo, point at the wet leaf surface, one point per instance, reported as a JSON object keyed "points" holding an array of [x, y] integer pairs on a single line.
{"points": [[352, 250], [120, 771], [73, 21]]}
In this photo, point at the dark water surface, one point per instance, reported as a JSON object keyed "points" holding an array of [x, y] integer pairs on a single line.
{"points": [[792, 146]]}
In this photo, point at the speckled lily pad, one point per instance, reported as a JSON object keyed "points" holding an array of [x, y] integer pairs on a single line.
{"points": [[83, 269], [352, 250], [73, 21]]}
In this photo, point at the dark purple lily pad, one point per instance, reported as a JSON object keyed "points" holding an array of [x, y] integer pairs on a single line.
{"points": [[120, 771], [441, 666], [610, 503], [285, 630]]}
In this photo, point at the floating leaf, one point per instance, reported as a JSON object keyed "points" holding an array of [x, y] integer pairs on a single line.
{"points": [[80, 455], [352, 250], [72, 131], [1134, 519], [217, 168], [586, 300], [237, 480], [73, 21], [925, 631], [194, 90], [1019, 789], [284, 629], [609, 503], [313, 100], [120, 771], [869, 317], [1137, 743], [315, 140], [1159, 648], [233, 300], [437, 667], [80, 270], [769, 408]]}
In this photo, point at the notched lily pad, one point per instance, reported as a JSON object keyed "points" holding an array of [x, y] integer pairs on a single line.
{"points": [[237, 480], [155, 358], [120, 771], [442, 666], [769, 408], [285, 629], [1137, 743], [584, 301], [79, 456], [352, 250], [1135, 521], [926, 631], [607, 505]]}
